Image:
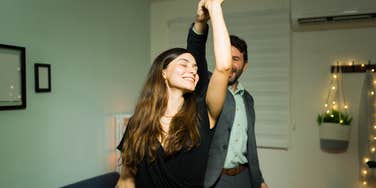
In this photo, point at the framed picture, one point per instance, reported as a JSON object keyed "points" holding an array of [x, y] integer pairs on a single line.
{"points": [[12, 77], [42, 77]]}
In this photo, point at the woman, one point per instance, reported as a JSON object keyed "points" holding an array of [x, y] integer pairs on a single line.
{"points": [[167, 139]]}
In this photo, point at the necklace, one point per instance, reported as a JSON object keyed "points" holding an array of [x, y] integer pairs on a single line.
{"points": [[165, 121]]}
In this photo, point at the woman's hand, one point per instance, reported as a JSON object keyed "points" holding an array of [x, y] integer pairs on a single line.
{"points": [[209, 3]]}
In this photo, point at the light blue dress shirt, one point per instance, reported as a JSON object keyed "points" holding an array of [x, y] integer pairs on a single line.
{"points": [[237, 147]]}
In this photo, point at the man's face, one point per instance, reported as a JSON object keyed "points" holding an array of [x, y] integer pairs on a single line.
{"points": [[238, 65]]}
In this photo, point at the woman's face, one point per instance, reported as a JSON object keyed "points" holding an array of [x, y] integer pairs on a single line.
{"points": [[181, 73]]}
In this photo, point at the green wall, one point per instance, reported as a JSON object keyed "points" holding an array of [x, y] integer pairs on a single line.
{"points": [[99, 55]]}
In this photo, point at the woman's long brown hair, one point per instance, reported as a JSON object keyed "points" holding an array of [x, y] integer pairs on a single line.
{"points": [[144, 127]]}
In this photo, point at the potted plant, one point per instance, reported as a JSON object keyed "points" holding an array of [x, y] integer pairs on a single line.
{"points": [[334, 130]]}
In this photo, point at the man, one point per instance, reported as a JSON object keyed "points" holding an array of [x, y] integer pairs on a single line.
{"points": [[233, 160]]}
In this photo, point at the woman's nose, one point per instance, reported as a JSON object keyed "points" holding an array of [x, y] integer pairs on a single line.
{"points": [[192, 70]]}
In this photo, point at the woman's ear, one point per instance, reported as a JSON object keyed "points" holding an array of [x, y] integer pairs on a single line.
{"points": [[164, 75]]}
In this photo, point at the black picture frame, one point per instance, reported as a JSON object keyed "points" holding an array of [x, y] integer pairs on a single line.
{"points": [[13, 77], [42, 75]]}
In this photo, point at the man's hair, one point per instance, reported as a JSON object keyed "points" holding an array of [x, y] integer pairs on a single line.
{"points": [[241, 45]]}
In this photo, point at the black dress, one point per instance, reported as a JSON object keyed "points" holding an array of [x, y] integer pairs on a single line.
{"points": [[186, 169], [182, 170]]}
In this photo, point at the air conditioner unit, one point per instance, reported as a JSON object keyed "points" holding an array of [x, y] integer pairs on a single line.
{"points": [[338, 18], [325, 19]]}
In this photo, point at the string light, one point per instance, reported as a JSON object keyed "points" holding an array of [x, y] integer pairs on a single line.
{"points": [[333, 87], [328, 111], [370, 155], [334, 102], [334, 76], [364, 183], [364, 172], [346, 107], [366, 160]]}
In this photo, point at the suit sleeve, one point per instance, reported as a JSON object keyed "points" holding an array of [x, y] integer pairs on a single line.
{"points": [[196, 44]]}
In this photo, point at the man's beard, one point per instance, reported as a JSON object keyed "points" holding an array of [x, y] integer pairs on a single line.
{"points": [[236, 77]]}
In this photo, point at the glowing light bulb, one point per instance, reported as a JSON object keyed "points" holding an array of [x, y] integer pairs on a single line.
{"points": [[333, 87], [374, 82], [374, 127], [364, 172], [372, 92], [334, 76], [362, 65], [364, 183], [341, 121], [331, 115], [366, 160], [372, 70], [326, 105], [329, 112], [373, 149], [334, 102], [374, 138], [346, 107]]}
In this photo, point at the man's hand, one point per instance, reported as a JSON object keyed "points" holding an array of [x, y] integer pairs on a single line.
{"points": [[202, 14]]}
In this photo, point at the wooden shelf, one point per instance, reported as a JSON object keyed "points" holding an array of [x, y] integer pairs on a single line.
{"points": [[353, 68]]}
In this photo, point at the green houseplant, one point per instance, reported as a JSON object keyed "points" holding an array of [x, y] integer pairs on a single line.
{"points": [[342, 118], [334, 130]]}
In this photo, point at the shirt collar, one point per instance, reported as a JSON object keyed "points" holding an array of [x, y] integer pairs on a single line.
{"points": [[239, 90]]}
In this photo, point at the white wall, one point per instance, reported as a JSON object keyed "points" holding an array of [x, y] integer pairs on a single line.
{"points": [[167, 10], [99, 54], [313, 52], [303, 164]]}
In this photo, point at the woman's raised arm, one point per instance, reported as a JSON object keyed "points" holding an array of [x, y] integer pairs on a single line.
{"points": [[217, 88]]}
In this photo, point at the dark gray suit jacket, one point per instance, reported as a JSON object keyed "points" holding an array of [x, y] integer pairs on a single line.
{"points": [[218, 149]]}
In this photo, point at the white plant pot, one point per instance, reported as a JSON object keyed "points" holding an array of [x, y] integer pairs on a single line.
{"points": [[334, 138]]}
